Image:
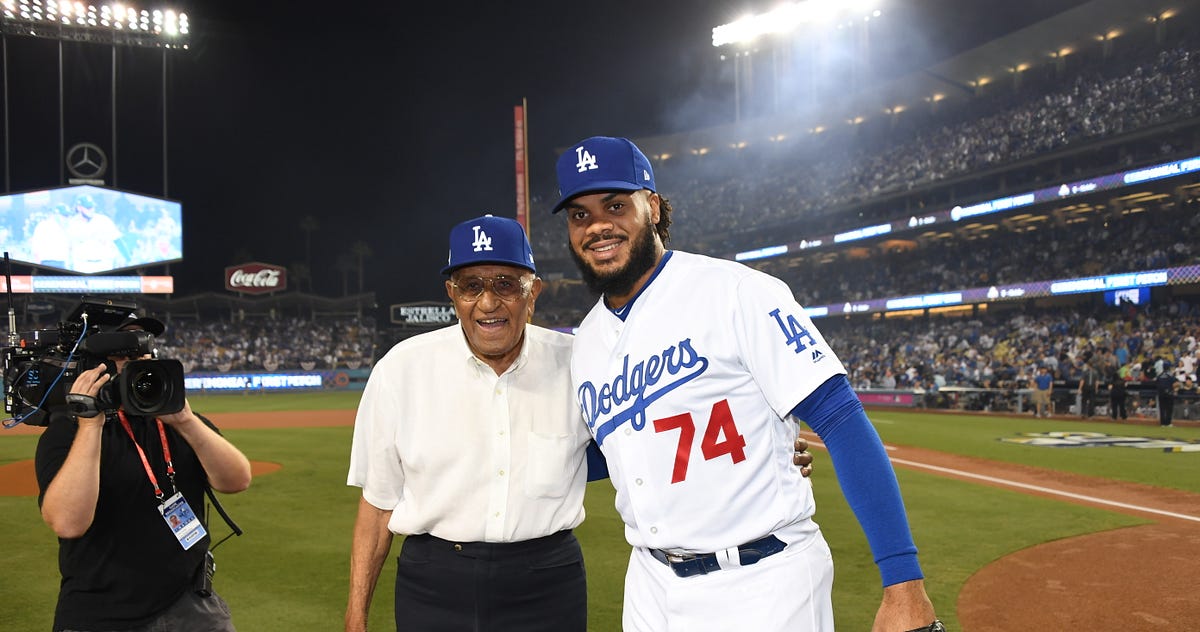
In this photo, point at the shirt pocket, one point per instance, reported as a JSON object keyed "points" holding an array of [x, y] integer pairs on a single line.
{"points": [[548, 468]]}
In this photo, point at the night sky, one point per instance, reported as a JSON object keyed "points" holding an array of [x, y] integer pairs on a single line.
{"points": [[390, 122]]}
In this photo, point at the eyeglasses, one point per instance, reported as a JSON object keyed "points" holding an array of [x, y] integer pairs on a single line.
{"points": [[507, 288]]}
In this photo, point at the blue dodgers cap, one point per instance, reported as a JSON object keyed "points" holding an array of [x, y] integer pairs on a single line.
{"points": [[602, 163], [489, 239]]}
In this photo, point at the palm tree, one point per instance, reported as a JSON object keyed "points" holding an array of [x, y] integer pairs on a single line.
{"points": [[309, 225], [345, 265], [301, 275], [361, 251]]}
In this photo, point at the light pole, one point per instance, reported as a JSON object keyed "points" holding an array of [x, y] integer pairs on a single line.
{"points": [[787, 19], [112, 24]]}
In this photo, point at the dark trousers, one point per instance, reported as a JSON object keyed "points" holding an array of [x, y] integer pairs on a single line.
{"points": [[1116, 406], [1166, 409], [531, 586], [1087, 402]]}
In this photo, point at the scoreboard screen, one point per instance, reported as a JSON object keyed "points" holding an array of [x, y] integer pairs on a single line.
{"points": [[90, 230]]}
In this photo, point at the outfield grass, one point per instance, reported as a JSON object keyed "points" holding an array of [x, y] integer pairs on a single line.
{"points": [[290, 570]]}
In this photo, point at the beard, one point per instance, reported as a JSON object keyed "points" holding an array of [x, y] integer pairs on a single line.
{"points": [[642, 258]]}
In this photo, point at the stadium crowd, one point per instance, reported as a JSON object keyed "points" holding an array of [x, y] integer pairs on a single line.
{"points": [[256, 344], [1004, 351], [718, 200], [1164, 235]]}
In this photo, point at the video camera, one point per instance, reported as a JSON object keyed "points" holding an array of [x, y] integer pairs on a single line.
{"points": [[40, 366]]}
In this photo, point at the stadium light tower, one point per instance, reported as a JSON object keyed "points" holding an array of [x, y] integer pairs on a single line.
{"points": [[792, 16], [815, 15], [113, 24]]}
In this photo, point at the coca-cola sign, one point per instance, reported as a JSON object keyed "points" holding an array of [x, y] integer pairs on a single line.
{"points": [[255, 278]]}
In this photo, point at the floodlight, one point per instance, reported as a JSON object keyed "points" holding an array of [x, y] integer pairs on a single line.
{"points": [[790, 17], [107, 23]]}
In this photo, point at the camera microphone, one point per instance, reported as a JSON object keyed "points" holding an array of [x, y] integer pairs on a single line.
{"points": [[118, 343]]}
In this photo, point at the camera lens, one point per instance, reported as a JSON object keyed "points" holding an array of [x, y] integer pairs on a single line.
{"points": [[148, 388]]}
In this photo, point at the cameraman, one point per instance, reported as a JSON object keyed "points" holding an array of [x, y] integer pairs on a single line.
{"points": [[131, 550]]}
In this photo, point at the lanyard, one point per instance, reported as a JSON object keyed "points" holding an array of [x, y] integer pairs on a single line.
{"points": [[162, 434]]}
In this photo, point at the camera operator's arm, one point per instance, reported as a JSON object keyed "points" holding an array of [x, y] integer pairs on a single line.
{"points": [[69, 505], [227, 468]]}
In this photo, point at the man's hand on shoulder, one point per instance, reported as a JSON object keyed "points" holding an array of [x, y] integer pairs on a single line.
{"points": [[802, 458]]}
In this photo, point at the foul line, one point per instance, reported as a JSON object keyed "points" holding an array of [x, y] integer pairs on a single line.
{"points": [[1036, 488], [1047, 490]]}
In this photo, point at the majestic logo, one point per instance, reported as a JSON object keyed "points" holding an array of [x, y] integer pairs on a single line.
{"points": [[586, 160], [482, 241], [255, 278], [637, 383]]}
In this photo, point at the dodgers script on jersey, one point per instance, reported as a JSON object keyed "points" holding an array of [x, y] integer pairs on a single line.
{"points": [[687, 398]]}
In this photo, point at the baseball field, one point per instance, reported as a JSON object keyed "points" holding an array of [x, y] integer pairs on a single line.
{"points": [[1022, 523]]}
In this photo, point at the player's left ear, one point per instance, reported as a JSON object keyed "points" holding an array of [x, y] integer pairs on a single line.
{"points": [[655, 202]]}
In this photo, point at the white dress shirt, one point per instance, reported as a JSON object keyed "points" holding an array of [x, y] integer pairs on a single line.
{"points": [[456, 451]]}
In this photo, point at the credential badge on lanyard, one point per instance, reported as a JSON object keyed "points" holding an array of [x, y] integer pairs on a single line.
{"points": [[176, 511]]}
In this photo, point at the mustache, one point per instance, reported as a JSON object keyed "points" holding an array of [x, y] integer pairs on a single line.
{"points": [[607, 235]]}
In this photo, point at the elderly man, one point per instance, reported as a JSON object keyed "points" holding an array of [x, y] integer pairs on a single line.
{"points": [[467, 440]]}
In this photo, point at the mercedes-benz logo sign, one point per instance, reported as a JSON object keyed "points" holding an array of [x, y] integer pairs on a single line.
{"points": [[85, 160]]}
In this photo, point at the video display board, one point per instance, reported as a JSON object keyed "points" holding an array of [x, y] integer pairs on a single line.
{"points": [[90, 230]]}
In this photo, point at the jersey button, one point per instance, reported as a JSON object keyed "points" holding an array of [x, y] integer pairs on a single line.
{"points": [[653, 529], [501, 472], [638, 481]]}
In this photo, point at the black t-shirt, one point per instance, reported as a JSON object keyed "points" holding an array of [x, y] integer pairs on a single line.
{"points": [[128, 566]]}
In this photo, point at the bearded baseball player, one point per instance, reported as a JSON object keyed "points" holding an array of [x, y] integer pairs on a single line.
{"points": [[691, 373]]}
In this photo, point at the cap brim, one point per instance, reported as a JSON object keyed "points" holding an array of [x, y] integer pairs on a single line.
{"points": [[152, 325], [593, 187], [497, 262]]}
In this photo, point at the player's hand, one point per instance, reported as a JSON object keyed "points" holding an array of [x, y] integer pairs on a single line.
{"points": [[802, 457], [905, 606]]}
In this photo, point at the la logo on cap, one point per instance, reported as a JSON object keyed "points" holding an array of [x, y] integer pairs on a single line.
{"points": [[586, 160], [482, 241]]}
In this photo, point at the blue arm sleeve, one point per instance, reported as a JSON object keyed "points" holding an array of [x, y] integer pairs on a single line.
{"points": [[596, 465], [865, 474]]}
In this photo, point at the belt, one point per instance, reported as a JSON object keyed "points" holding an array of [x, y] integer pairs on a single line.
{"points": [[704, 563], [493, 550]]}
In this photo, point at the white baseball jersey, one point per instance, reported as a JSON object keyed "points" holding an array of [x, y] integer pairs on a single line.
{"points": [[687, 398]]}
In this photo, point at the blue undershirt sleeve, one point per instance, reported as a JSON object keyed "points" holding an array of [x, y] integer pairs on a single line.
{"points": [[596, 464], [863, 470]]}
